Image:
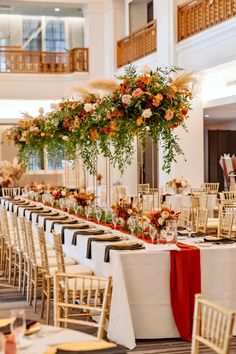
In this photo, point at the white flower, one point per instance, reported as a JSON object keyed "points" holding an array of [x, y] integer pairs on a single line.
{"points": [[88, 107], [160, 221], [65, 137], [184, 183], [165, 214], [146, 69], [147, 113], [126, 99], [130, 211], [63, 193]]}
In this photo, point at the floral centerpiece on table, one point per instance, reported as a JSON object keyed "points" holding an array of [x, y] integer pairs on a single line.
{"points": [[124, 209], [178, 184], [40, 188], [10, 173], [84, 199], [60, 192], [158, 218]]}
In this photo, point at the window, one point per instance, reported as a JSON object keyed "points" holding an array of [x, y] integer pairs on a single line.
{"points": [[150, 11], [36, 162], [55, 36], [32, 34]]}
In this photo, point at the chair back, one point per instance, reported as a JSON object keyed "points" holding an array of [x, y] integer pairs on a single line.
{"points": [[212, 326], [59, 253], [225, 224], [202, 217], [43, 249], [11, 192], [5, 225], [184, 216], [31, 243], [211, 188], [26, 247], [196, 191], [13, 223], [143, 188], [93, 294]]}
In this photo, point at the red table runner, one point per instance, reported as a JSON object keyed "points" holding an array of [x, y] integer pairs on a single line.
{"points": [[185, 282]]}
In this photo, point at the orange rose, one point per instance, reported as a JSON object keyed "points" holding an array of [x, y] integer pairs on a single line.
{"points": [[139, 121], [93, 134]]}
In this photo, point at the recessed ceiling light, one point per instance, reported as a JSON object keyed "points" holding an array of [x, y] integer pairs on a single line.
{"points": [[206, 115], [57, 9]]}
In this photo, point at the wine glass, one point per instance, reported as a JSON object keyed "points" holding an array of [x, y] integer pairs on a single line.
{"points": [[87, 211], [2, 343], [152, 233], [132, 224], [189, 227], [18, 325], [62, 203], [76, 208], [108, 216], [98, 213], [114, 220]]}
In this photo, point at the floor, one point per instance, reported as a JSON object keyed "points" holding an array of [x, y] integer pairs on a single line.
{"points": [[10, 298]]}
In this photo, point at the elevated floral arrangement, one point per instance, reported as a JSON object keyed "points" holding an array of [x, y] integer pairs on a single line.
{"points": [[84, 199], [158, 218], [152, 103], [10, 173], [38, 188]]}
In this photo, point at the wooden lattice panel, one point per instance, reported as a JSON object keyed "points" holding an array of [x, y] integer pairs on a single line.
{"points": [[137, 45], [196, 16]]}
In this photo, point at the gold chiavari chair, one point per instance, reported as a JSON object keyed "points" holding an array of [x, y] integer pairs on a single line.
{"points": [[18, 261], [197, 191], [143, 188], [61, 260], [202, 224], [225, 224], [11, 192], [9, 247], [211, 188], [212, 326], [78, 298], [184, 216]]}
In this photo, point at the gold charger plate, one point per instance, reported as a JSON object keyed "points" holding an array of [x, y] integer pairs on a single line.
{"points": [[79, 346]]}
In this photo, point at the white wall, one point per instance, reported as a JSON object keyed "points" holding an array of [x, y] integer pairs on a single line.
{"points": [[137, 15], [11, 29]]}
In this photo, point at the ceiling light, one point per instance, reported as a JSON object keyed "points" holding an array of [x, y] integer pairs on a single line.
{"points": [[57, 9], [206, 115]]}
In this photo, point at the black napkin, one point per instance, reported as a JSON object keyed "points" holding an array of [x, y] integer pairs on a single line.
{"points": [[115, 350], [221, 240], [30, 208], [136, 246], [64, 222], [6, 329], [50, 218], [198, 234], [83, 232], [91, 239], [42, 213], [181, 228]]}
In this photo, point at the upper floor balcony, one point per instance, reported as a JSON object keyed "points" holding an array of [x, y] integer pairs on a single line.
{"points": [[14, 60], [137, 45], [198, 15]]}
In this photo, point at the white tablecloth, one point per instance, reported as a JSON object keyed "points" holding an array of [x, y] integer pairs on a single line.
{"points": [[178, 200], [141, 306], [49, 336]]}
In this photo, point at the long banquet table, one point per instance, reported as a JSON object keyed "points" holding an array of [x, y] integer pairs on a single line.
{"points": [[141, 306]]}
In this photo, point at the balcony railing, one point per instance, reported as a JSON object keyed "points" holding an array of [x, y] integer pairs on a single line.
{"points": [[19, 61], [198, 15], [139, 44]]}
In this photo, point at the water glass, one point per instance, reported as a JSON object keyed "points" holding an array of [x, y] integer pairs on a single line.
{"points": [[132, 224], [152, 233], [98, 213], [171, 231], [189, 227], [76, 207], [18, 325]]}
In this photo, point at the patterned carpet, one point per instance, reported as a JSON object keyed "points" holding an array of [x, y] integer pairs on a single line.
{"points": [[10, 298]]}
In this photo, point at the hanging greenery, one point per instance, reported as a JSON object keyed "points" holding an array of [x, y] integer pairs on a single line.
{"points": [[151, 103]]}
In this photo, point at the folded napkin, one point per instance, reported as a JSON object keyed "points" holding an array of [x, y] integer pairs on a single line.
{"points": [[5, 325], [45, 213], [64, 222], [33, 208], [54, 218], [82, 347], [120, 247], [77, 226], [198, 234], [105, 238], [85, 233], [217, 240]]}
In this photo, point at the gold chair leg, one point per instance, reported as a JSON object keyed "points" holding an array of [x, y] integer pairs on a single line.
{"points": [[48, 301], [43, 297]]}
